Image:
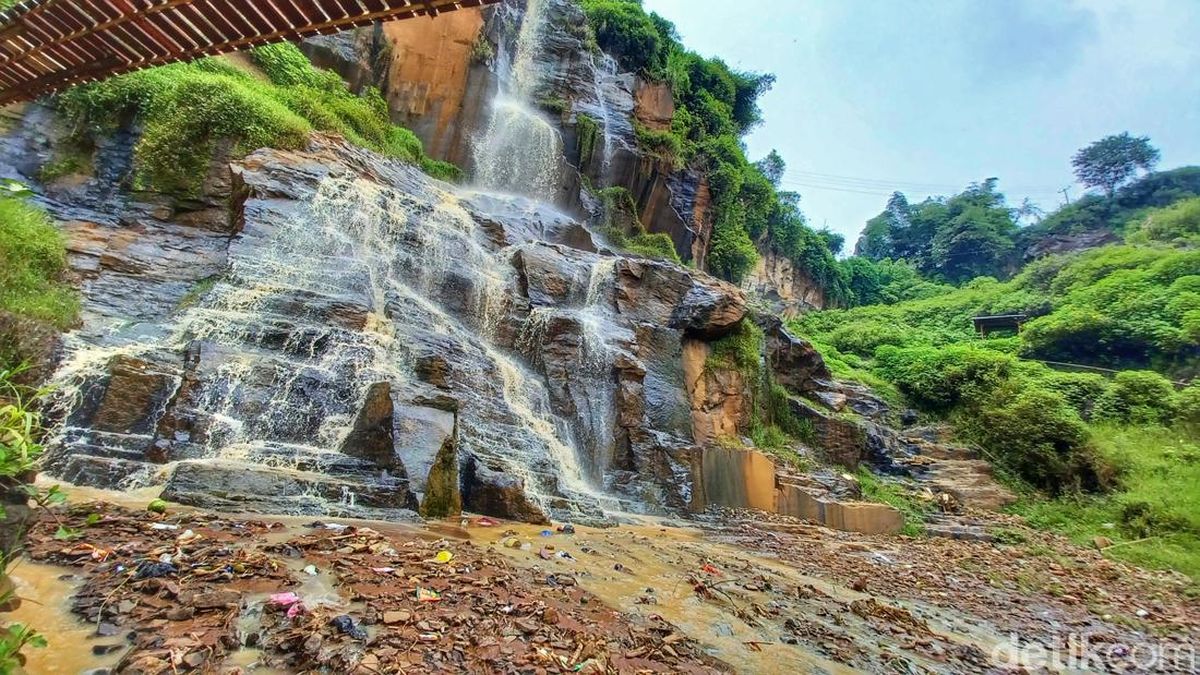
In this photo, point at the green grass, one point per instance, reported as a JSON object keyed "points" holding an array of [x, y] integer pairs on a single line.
{"points": [[914, 510], [1154, 516], [33, 262], [185, 109]]}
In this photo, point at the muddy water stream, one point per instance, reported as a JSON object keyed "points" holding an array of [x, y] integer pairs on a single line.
{"points": [[640, 569]]}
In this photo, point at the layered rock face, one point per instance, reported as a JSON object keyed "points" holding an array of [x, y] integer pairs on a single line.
{"points": [[328, 331]]}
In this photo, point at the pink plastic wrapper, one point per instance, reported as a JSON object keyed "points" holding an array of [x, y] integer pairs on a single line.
{"points": [[284, 599]]}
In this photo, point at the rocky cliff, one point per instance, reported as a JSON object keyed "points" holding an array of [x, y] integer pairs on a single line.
{"points": [[440, 82]]}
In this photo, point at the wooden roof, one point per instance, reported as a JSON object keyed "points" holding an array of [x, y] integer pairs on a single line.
{"points": [[46, 45]]}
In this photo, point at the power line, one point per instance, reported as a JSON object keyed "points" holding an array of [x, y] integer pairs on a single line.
{"points": [[878, 192], [885, 183]]}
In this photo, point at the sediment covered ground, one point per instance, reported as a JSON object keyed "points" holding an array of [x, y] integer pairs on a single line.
{"points": [[194, 591]]}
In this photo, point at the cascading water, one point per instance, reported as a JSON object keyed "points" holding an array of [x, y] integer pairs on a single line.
{"points": [[520, 151], [360, 281], [325, 302]]}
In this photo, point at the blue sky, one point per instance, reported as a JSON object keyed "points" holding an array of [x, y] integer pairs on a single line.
{"points": [[927, 96]]}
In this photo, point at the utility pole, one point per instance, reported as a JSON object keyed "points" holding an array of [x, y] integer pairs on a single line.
{"points": [[1065, 195]]}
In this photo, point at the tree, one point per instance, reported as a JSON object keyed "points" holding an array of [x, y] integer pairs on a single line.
{"points": [[1111, 161], [834, 241], [772, 166], [1028, 210]]}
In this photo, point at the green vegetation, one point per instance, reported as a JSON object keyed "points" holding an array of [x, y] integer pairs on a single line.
{"points": [[976, 233], [1153, 518], [773, 428], [33, 265], [588, 131], [624, 230], [1106, 453], [1113, 160], [20, 447], [186, 109], [915, 510], [714, 107]]}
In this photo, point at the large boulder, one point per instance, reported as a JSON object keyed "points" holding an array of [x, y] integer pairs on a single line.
{"points": [[794, 362], [497, 493]]}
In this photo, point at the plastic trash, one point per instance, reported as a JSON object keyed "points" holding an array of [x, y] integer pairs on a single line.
{"points": [[157, 506], [545, 554], [510, 542], [708, 568], [296, 610], [428, 595], [346, 625], [311, 570], [547, 533], [152, 570], [283, 599], [487, 522], [163, 526], [565, 555], [567, 529], [443, 557], [383, 570]]}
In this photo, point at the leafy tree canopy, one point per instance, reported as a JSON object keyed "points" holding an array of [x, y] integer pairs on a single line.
{"points": [[1111, 161]]}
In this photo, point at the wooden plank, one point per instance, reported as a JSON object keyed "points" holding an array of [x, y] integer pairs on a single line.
{"points": [[61, 44]]}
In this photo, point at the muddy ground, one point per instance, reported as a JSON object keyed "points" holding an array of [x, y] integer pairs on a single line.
{"points": [[197, 592]]}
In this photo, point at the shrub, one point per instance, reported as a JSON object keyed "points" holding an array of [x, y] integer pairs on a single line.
{"points": [[1187, 405], [1177, 224], [33, 265], [1037, 435], [941, 378], [740, 350], [1080, 390], [864, 336], [657, 245], [1137, 397], [184, 109]]}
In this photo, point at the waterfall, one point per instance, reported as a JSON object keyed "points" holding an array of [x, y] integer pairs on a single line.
{"points": [[605, 68], [520, 150]]}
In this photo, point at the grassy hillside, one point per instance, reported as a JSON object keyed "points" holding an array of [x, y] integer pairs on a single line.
{"points": [[185, 109], [1096, 453]]}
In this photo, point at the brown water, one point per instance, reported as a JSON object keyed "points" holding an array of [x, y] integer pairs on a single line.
{"points": [[661, 558], [655, 562], [46, 592]]}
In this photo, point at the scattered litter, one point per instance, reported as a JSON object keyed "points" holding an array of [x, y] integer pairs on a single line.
{"points": [[546, 533], [157, 506], [487, 522], [283, 599], [346, 625], [427, 595], [311, 570], [511, 542], [708, 568], [880, 559], [565, 555], [383, 570], [545, 554], [296, 610], [154, 570], [443, 557], [163, 526], [567, 529]]}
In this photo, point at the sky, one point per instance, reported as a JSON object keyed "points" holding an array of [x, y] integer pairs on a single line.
{"points": [[928, 96]]}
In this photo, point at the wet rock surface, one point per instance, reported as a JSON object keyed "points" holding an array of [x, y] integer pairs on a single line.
{"points": [[371, 333], [335, 597]]}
